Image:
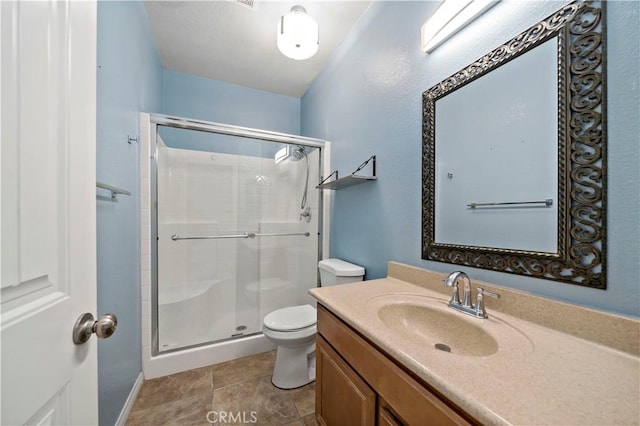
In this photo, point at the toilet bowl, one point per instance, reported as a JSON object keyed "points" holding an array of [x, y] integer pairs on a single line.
{"points": [[294, 328]]}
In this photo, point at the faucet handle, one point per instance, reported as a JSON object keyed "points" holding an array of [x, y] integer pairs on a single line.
{"points": [[480, 311], [482, 291], [451, 281]]}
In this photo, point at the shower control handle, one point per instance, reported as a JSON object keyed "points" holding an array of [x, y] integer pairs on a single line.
{"points": [[85, 326], [306, 214]]}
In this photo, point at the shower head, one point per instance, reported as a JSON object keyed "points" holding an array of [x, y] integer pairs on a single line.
{"points": [[299, 153]]}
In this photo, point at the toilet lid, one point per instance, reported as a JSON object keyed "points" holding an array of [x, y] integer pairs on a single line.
{"points": [[340, 268], [291, 318]]}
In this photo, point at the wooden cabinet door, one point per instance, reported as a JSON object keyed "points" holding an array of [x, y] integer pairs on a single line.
{"points": [[342, 397]]}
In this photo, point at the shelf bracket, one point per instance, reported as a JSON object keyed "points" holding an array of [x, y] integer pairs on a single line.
{"points": [[335, 172], [363, 165]]}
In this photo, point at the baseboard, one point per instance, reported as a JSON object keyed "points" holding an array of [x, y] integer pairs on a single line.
{"points": [[128, 405]]}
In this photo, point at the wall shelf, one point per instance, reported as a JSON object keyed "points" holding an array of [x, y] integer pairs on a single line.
{"points": [[351, 179]]}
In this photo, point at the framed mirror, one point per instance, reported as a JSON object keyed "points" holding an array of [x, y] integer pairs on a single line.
{"points": [[514, 155]]}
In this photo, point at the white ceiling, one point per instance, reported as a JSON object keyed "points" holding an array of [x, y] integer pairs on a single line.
{"points": [[228, 41]]}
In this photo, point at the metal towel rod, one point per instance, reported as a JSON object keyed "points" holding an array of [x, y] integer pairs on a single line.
{"points": [[176, 237], [548, 202], [114, 190]]}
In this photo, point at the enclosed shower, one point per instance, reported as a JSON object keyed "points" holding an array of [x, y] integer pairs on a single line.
{"points": [[236, 219]]}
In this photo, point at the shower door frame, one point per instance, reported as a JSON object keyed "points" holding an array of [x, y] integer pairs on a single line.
{"points": [[156, 120]]}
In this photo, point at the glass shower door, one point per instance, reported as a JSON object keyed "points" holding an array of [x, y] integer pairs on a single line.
{"points": [[232, 245]]}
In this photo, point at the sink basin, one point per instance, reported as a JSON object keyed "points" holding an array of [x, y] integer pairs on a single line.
{"points": [[435, 326], [431, 324]]}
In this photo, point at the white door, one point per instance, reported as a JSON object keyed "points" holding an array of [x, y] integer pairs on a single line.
{"points": [[48, 257]]}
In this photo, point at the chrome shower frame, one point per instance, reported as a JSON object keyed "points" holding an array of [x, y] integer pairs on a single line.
{"points": [[159, 120]]}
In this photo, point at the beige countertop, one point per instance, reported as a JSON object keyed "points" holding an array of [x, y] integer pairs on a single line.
{"points": [[538, 375]]}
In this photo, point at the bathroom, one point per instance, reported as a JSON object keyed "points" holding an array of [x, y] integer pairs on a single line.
{"points": [[366, 101]]}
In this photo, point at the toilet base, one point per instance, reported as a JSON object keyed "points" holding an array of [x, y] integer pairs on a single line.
{"points": [[294, 366]]}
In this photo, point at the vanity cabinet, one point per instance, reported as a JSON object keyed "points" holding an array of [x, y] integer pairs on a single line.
{"points": [[357, 384]]}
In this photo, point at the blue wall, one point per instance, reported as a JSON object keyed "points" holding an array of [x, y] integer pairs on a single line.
{"points": [[187, 95], [129, 81], [367, 101]]}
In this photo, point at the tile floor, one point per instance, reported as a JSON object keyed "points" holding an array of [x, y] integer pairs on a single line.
{"points": [[241, 389]]}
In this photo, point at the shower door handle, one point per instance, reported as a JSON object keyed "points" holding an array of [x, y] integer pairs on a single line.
{"points": [[176, 237], [85, 326]]}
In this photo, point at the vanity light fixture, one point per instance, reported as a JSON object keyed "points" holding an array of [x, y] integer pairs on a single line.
{"points": [[298, 34], [450, 17]]}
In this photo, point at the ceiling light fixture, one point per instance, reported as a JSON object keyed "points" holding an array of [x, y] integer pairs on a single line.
{"points": [[298, 34], [450, 17]]}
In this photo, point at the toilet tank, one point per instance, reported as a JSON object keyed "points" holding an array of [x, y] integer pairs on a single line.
{"points": [[337, 271]]}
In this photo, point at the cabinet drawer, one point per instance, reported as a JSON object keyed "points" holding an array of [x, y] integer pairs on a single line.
{"points": [[411, 401]]}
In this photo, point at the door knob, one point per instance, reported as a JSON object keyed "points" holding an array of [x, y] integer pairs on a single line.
{"points": [[85, 325]]}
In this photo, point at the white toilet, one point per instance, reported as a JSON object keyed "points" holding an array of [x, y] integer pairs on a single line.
{"points": [[293, 329]]}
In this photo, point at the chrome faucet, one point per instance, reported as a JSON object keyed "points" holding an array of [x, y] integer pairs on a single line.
{"points": [[466, 306]]}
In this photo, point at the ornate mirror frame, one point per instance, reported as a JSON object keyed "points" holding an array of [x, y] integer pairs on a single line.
{"points": [[581, 255]]}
